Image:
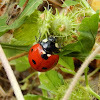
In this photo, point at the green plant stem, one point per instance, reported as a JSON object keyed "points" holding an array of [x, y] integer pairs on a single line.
{"points": [[28, 77], [86, 78], [85, 3], [44, 93], [88, 87], [92, 92], [92, 73]]}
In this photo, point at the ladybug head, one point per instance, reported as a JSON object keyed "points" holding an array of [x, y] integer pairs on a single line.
{"points": [[49, 45]]}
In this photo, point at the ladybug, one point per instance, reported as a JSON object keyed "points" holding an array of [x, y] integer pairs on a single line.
{"points": [[41, 55]]}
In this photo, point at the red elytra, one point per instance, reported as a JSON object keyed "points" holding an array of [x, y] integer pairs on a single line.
{"points": [[37, 62]]}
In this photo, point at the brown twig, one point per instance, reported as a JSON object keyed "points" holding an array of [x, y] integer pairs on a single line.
{"points": [[11, 75], [6, 80], [25, 4], [80, 72], [52, 1], [2, 92], [17, 56]]}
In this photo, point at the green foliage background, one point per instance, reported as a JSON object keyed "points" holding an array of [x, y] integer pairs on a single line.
{"points": [[31, 24]]}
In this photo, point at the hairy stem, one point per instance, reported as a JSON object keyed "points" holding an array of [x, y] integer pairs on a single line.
{"points": [[80, 72]]}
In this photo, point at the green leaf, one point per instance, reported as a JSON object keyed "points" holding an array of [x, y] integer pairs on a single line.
{"points": [[73, 47], [16, 47], [55, 78], [88, 31], [66, 62], [22, 64], [35, 97], [21, 3], [10, 52], [50, 81], [44, 93], [30, 8], [97, 56], [67, 70], [69, 3], [46, 84], [29, 29]]}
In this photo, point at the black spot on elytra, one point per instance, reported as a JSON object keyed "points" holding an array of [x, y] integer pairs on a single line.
{"points": [[44, 56], [44, 68], [33, 61], [31, 50]]}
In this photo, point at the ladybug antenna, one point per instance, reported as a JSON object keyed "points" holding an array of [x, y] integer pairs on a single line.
{"points": [[36, 38], [39, 36]]}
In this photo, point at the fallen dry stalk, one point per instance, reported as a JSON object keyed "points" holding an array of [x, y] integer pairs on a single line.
{"points": [[80, 72], [11, 75]]}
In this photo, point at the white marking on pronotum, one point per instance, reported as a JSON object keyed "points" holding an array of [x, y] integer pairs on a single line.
{"points": [[56, 45], [48, 55], [43, 52], [45, 40]]}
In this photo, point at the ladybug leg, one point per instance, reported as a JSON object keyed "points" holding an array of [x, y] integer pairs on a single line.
{"points": [[40, 36], [44, 56], [36, 38], [56, 45]]}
